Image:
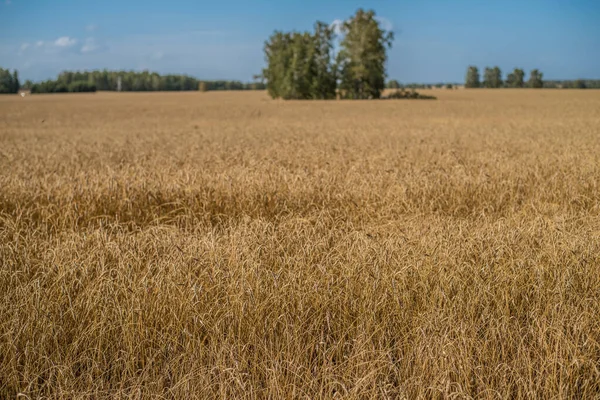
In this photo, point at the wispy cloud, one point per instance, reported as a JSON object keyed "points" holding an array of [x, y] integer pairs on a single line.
{"points": [[23, 48], [208, 54], [61, 45], [91, 27], [91, 45], [65, 42], [159, 55], [7, 2]]}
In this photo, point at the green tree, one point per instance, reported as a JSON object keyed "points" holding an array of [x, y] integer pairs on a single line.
{"points": [[362, 56], [393, 84], [81, 86], [516, 79], [535, 79], [277, 56], [472, 78], [324, 83], [300, 75], [9, 83], [299, 65], [60, 88], [16, 83], [492, 78]]}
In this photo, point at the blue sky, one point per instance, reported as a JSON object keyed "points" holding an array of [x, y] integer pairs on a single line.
{"points": [[435, 39]]}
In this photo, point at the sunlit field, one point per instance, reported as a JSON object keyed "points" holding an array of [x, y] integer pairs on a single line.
{"points": [[226, 245]]}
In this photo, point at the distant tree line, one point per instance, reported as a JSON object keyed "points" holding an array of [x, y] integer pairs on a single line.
{"points": [[492, 78], [51, 86], [515, 79], [304, 65], [9, 82], [205, 86], [131, 81], [576, 84]]}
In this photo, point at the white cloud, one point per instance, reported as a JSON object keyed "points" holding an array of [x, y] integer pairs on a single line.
{"points": [[91, 27], [90, 46], [205, 54], [24, 47], [65, 42], [62, 46]]}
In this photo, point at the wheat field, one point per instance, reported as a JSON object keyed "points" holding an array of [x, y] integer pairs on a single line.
{"points": [[225, 245]]}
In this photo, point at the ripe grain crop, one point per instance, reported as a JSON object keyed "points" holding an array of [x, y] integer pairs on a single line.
{"points": [[225, 245]]}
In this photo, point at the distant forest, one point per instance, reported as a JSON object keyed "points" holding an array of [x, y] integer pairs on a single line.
{"points": [[573, 84], [132, 81]]}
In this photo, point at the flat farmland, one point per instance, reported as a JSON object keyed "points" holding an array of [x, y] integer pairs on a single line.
{"points": [[226, 245]]}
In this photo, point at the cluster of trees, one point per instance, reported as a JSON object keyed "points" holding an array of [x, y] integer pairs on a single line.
{"points": [[299, 65], [9, 82], [304, 65], [205, 86], [90, 81], [576, 84], [492, 78], [51, 86], [130, 80]]}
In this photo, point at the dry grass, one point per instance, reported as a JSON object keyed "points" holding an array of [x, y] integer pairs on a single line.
{"points": [[220, 245]]}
